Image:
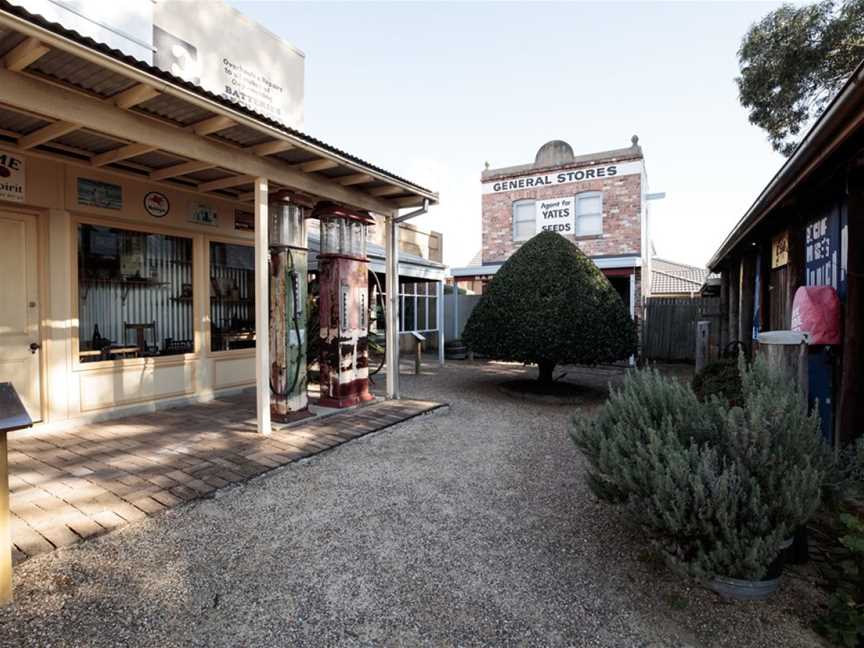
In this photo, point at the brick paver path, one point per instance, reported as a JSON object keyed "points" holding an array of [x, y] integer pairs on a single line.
{"points": [[72, 484]]}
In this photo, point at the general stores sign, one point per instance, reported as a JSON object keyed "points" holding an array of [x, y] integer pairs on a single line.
{"points": [[556, 215], [568, 176], [13, 177]]}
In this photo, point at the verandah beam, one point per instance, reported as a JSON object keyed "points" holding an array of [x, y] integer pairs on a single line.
{"points": [[35, 96]]}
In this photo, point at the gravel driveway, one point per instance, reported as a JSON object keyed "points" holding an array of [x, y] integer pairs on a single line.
{"points": [[469, 528]]}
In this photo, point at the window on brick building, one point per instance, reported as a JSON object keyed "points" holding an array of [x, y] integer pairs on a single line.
{"points": [[589, 213], [524, 214]]}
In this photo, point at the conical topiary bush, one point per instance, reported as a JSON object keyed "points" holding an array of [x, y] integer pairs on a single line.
{"points": [[547, 305]]}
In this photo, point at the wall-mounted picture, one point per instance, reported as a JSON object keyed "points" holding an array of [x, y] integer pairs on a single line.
{"points": [[244, 221], [203, 214], [95, 193]]}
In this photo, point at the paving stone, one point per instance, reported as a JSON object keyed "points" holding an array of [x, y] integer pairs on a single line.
{"points": [[166, 498], [109, 520], [59, 535], [84, 527], [149, 505]]}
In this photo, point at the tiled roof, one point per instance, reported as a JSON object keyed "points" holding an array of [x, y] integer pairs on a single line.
{"points": [[668, 277]]}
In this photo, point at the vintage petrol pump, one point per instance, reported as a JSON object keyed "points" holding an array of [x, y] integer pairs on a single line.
{"points": [[288, 281], [344, 310]]}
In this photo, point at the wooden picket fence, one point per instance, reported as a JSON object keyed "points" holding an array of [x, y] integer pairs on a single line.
{"points": [[669, 327]]}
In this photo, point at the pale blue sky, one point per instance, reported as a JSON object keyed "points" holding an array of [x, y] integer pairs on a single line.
{"points": [[433, 90]]}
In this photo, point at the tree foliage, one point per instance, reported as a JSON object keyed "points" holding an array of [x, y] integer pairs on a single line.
{"points": [[549, 304], [794, 61]]}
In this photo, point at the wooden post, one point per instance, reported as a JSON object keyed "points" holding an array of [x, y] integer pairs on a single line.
{"points": [[439, 317], [5, 530], [851, 406], [702, 331], [734, 303], [418, 358], [391, 280], [723, 328], [747, 293], [262, 308]]}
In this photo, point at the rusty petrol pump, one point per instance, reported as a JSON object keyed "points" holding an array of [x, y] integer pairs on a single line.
{"points": [[344, 293], [289, 262]]}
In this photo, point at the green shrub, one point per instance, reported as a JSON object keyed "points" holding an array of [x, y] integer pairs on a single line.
{"points": [[719, 488], [844, 621], [719, 378], [549, 304]]}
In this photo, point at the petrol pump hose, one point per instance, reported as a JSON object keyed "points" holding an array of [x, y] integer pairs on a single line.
{"points": [[384, 310], [295, 290]]}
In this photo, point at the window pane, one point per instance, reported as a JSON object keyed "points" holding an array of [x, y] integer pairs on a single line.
{"points": [[590, 205], [524, 214], [523, 230], [588, 225], [134, 294], [232, 297]]}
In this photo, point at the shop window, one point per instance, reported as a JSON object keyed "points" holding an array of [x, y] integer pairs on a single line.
{"points": [[589, 213], [232, 296], [524, 215], [134, 294]]}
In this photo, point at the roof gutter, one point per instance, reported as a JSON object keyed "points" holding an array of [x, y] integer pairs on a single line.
{"points": [[415, 213], [817, 145], [82, 51]]}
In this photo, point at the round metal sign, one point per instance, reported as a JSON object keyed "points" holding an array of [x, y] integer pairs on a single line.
{"points": [[156, 204]]}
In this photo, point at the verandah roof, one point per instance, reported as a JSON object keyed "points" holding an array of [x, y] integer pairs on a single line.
{"points": [[108, 110]]}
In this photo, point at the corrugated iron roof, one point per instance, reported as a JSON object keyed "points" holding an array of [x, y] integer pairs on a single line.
{"points": [[76, 72]]}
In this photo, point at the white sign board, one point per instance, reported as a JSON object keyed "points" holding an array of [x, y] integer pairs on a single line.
{"points": [[230, 55], [13, 177], [563, 177], [556, 215]]}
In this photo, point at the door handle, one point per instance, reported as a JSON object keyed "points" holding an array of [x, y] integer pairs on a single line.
{"points": [[34, 347]]}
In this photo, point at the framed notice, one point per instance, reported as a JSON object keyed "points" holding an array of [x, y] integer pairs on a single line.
{"points": [[780, 250], [104, 195], [244, 221], [13, 177], [203, 215]]}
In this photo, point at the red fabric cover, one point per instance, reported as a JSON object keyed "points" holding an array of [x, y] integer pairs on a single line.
{"points": [[816, 310]]}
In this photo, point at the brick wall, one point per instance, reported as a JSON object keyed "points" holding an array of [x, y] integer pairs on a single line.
{"points": [[621, 216]]}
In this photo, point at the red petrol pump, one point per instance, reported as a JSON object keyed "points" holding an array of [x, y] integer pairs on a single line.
{"points": [[343, 278]]}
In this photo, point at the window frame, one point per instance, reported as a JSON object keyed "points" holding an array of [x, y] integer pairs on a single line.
{"points": [[143, 228], [583, 195], [513, 221], [207, 337]]}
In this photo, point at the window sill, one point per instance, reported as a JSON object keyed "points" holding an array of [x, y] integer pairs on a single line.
{"points": [[122, 363]]}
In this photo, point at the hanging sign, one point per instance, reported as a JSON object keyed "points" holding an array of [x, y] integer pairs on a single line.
{"points": [[780, 250], [156, 204], [556, 215], [203, 214], [13, 177], [99, 194]]}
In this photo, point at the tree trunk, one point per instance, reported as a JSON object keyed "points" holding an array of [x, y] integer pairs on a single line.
{"points": [[546, 367]]}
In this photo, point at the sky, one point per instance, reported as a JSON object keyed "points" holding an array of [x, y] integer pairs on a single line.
{"points": [[432, 91]]}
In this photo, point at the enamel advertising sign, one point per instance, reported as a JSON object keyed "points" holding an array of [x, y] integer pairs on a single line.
{"points": [[13, 177]]}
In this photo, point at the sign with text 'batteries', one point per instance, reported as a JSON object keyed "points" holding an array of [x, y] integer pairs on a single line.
{"points": [[557, 215]]}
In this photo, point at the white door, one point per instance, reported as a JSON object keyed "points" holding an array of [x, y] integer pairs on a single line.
{"points": [[19, 309]]}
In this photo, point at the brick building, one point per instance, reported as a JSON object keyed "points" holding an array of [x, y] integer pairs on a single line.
{"points": [[597, 200]]}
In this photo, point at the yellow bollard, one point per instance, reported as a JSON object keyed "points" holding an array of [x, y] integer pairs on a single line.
{"points": [[5, 531]]}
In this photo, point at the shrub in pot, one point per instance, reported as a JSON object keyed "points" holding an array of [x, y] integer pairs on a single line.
{"points": [[720, 378], [719, 488]]}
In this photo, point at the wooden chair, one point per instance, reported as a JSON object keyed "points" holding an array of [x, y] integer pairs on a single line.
{"points": [[140, 336]]}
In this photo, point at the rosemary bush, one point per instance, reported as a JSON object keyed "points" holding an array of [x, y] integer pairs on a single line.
{"points": [[718, 487]]}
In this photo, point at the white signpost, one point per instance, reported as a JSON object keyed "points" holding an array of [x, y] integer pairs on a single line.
{"points": [[556, 215]]}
